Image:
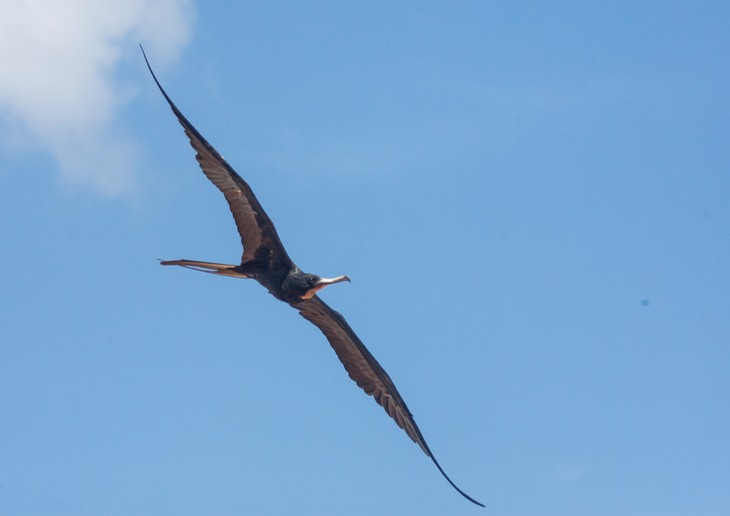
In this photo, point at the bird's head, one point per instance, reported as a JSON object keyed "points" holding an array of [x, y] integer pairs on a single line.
{"points": [[304, 285]]}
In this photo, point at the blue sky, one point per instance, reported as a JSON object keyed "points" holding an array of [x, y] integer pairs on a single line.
{"points": [[531, 201]]}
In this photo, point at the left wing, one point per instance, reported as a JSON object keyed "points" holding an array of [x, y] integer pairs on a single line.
{"points": [[369, 375]]}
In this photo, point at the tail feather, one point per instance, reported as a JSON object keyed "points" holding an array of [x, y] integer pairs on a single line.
{"points": [[209, 267]]}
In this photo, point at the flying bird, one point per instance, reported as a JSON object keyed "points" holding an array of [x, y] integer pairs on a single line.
{"points": [[265, 259]]}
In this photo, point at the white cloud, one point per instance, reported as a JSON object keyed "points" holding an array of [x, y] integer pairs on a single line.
{"points": [[57, 90]]}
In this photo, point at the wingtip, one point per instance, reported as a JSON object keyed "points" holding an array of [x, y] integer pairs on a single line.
{"points": [[462, 493], [154, 77], [144, 54]]}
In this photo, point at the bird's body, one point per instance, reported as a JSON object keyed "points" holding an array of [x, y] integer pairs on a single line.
{"points": [[265, 260], [286, 282]]}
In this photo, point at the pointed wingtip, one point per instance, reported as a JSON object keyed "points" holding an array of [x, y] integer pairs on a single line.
{"points": [[164, 93], [144, 54], [462, 493]]}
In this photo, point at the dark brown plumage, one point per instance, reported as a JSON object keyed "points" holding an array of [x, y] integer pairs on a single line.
{"points": [[265, 260]]}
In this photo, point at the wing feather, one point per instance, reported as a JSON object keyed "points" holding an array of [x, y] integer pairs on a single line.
{"points": [[361, 365], [254, 226], [367, 373]]}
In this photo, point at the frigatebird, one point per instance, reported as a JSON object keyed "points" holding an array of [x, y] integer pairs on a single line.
{"points": [[265, 260]]}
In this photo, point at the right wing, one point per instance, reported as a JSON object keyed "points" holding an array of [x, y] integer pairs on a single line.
{"points": [[258, 234]]}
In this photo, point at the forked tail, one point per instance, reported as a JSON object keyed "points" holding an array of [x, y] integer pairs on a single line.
{"points": [[209, 267]]}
